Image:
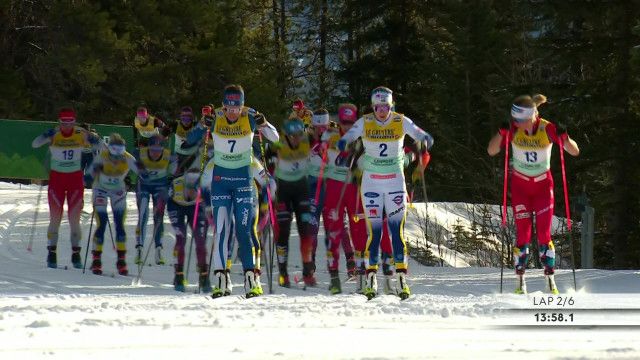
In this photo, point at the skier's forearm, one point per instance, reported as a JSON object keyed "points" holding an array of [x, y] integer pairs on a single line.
{"points": [[571, 147], [269, 132], [40, 140], [353, 133], [494, 145]]}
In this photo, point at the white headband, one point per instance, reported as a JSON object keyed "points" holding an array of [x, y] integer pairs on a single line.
{"points": [[522, 113], [320, 120]]}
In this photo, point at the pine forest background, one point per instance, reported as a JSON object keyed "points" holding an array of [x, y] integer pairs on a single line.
{"points": [[454, 67]]}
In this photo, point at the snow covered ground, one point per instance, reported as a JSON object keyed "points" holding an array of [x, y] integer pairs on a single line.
{"points": [[453, 312]]}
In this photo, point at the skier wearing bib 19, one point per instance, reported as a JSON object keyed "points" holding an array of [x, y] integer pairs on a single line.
{"points": [[317, 171], [343, 193], [66, 143], [233, 195], [383, 188], [531, 139], [301, 113]]}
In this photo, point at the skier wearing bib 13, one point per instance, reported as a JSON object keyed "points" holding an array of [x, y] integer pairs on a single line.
{"points": [[383, 188], [531, 139]]}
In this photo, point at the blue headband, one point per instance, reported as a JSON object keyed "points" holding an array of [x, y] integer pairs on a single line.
{"points": [[233, 98]]}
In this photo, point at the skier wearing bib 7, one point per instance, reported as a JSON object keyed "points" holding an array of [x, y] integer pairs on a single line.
{"points": [[233, 195], [531, 138], [383, 187]]}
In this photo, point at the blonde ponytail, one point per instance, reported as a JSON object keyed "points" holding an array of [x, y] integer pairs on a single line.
{"points": [[539, 99]]}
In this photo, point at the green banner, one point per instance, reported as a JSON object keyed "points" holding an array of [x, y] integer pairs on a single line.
{"points": [[18, 160]]}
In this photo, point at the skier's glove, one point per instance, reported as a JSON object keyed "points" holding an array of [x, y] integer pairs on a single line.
{"points": [[49, 133], [165, 131], [260, 119], [504, 128], [128, 183], [341, 145], [561, 131], [208, 120], [426, 143]]}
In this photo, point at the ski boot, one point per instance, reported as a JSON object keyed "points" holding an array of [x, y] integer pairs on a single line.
{"points": [[76, 260], [121, 264], [220, 282], [159, 258], [308, 277], [549, 279], [362, 281], [178, 280], [250, 282], [52, 257], [370, 289], [401, 283], [351, 266], [521, 287], [258, 272], [388, 275], [139, 259], [283, 279], [334, 286], [228, 283], [203, 279], [96, 265]]}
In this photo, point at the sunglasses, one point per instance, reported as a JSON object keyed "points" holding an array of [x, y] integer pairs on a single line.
{"points": [[186, 118], [233, 109], [381, 107], [116, 149]]}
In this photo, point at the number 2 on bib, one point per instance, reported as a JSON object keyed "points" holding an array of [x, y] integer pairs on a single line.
{"points": [[383, 150]]}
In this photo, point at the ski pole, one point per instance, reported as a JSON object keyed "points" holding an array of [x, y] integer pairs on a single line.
{"points": [[146, 256], [356, 217], [142, 212], [505, 183], [35, 218], [86, 252], [198, 199], [113, 244], [504, 205], [319, 180], [568, 212], [264, 164], [274, 228], [345, 184]]}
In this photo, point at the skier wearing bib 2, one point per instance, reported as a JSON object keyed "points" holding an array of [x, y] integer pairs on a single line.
{"points": [[531, 139], [383, 188], [232, 189], [66, 144]]}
